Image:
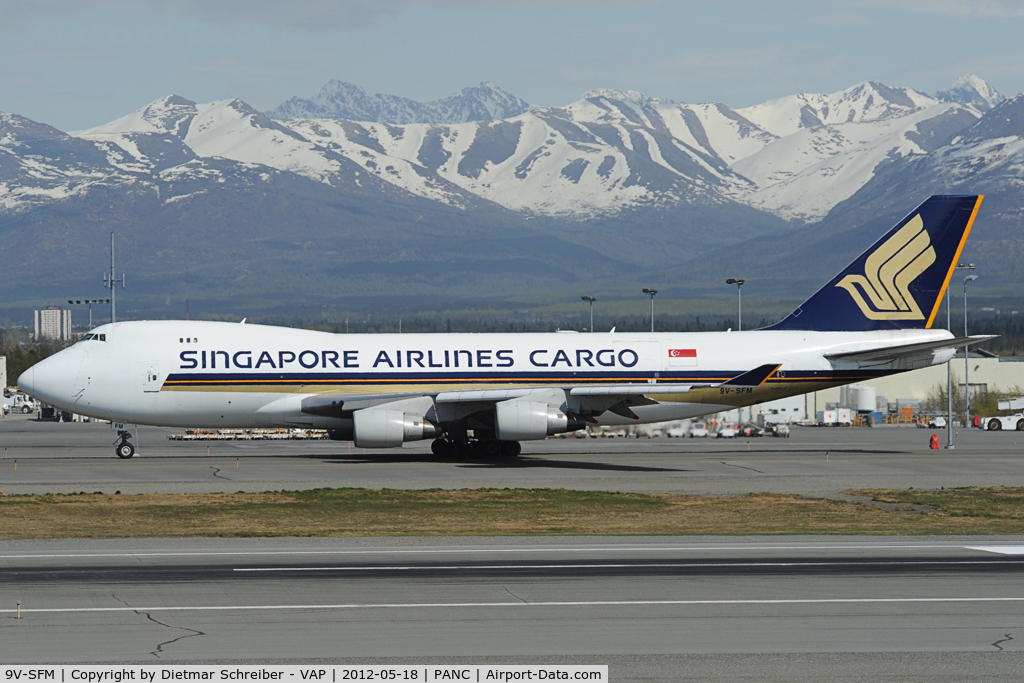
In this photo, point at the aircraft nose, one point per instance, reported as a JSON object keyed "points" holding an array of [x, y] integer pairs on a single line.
{"points": [[26, 382], [51, 379]]}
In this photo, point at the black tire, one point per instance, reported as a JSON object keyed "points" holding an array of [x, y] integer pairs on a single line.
{"points": [[994, 425], [1020, 425], [491, 448], [457, 449], [441, 447], [511, 449], [124, 450], [26, 409]]}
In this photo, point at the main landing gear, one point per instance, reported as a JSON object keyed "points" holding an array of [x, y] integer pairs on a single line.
{"points": [[123, 448], [485, 448]]}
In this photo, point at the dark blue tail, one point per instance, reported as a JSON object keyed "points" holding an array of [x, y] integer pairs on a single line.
{"points": [[899, 281]]}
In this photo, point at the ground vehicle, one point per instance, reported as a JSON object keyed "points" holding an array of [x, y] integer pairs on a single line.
{"points": [[727, 431], [779, 430], [936, 422], [750, 429], [994, 424], [23, 403], [698, 429]]}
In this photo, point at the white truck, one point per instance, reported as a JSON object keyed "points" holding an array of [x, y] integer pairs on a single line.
{"points": [[1009, 422], [20, 403]]}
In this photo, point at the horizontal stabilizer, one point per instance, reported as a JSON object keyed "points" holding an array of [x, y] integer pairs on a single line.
{"points": [[755, 377], [890, 353]]}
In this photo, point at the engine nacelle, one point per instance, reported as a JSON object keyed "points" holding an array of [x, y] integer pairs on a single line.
{"points": [[520, 420], [384, 428]]}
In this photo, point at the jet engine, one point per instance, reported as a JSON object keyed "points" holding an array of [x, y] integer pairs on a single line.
{"points": [[387, 428], [521, 420]]}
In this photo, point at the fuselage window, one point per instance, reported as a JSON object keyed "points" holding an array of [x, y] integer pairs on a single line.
{"points": [[181, 340]]}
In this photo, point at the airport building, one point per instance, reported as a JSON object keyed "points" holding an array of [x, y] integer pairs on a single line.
{"points": [[986, 374], [53, 322]]}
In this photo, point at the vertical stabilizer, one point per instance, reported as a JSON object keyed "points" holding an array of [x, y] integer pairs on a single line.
{"points": [[899, 281]]}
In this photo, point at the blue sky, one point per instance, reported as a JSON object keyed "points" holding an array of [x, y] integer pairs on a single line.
{"points": [[76, 64]]}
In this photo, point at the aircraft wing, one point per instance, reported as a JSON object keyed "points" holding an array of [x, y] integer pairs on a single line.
{"points": [[343, 405], [889, 354]]}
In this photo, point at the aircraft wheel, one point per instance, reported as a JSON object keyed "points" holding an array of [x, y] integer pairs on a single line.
{"points": [[441, 447], [490, 448], [456, 449], [124, 450], [511, 449], [994, 425]]}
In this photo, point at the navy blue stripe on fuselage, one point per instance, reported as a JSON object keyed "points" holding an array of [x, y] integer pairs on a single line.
{"points": [[205, 379]]}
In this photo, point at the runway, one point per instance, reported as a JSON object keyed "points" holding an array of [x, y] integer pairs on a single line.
{"points": [[65, 458], [721, 609], [645, 606]]}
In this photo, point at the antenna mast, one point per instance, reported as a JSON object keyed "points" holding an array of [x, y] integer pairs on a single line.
{"points": [[110, 281]]}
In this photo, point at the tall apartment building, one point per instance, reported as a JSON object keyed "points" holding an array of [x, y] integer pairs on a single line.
{"points": [[53, 322]]}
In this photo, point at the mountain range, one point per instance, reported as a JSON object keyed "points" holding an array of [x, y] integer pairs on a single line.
{"points": [[357, 198]]}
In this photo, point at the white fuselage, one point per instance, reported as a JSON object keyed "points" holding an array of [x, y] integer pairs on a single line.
{"points": [[210, 374]]}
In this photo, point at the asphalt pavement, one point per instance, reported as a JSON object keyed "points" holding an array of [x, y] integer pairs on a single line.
{"points": [[65, 458], [720, 609], [651, 608]]}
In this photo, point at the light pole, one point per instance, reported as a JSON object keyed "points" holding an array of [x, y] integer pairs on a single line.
{"points": [[949, 369], [967, 362], [111, 282], [739, 301], [590, 300], [89, 303], [652, 292]]}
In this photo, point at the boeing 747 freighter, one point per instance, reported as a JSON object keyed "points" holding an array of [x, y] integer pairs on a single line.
{"points": [[482, 394]]}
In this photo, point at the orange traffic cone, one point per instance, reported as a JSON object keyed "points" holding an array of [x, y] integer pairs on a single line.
{"points": [[934, 442]]}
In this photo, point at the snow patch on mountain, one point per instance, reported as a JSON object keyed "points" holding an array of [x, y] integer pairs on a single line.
{"points": [[804, 174], [341, 100], [864, 102], [969, 89]]}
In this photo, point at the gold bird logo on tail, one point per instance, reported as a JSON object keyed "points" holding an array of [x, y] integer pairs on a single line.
{"points": [[888, 273]]}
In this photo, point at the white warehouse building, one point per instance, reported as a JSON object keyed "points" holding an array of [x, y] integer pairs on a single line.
{"points": [[986, 374]]}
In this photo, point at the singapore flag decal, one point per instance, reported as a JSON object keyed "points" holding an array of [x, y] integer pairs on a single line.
{"points": [[679, 358]]}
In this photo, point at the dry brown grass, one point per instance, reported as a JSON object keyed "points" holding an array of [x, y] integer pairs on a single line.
{"points": [[363, 512]]}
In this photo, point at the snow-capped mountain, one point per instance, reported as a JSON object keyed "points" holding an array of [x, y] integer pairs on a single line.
{"points": [[614, 183], [828, 146], [610, 151], [969, 89], [341, 100]]}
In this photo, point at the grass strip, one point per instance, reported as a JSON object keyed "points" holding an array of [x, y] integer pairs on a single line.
{"points": [[390, 512]]}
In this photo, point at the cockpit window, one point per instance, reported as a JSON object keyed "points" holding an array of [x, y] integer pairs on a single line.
{"points": [[103, 337], [87, 337]]}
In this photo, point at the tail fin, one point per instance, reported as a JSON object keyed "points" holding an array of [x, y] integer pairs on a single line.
{"points": [[899, 281]]}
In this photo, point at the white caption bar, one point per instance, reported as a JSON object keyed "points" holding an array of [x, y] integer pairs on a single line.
{"points": [[419, 673]]}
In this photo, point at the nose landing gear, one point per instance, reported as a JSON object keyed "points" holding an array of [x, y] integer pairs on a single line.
{"points": [[123, 448]]}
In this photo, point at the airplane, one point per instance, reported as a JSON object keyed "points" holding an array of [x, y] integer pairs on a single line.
{"points": [[480, 395]]}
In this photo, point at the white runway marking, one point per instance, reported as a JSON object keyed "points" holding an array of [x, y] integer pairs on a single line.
{"points": [[471, 551], [461, 605], [633, 565], [1001, 549]]}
